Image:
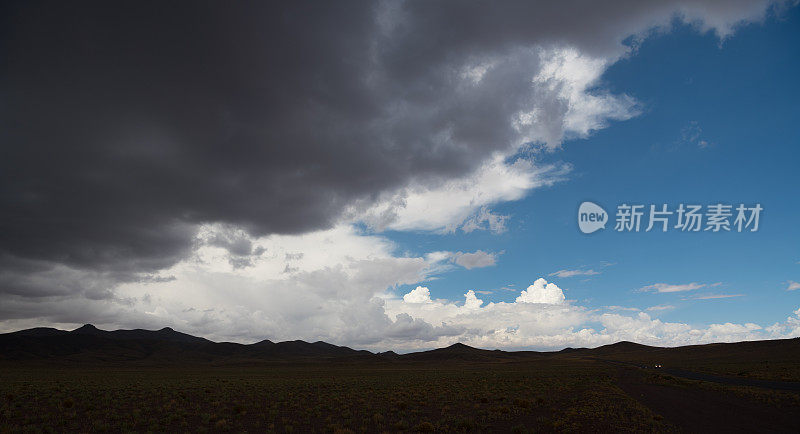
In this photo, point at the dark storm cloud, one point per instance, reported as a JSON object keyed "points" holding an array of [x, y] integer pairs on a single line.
{"points": [[241, 250], [126, 124]]}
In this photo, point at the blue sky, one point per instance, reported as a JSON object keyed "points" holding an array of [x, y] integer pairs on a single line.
{"points": [[400, 175], [741, 96]]}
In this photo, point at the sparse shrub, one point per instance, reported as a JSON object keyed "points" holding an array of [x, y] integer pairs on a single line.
{"points": [[464, 425], [524, 403], [100, 426], [426, 427]]}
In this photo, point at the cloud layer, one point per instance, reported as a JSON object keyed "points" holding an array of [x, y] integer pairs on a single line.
{"points": [[157, 153], [132, 124], [291, 290]]}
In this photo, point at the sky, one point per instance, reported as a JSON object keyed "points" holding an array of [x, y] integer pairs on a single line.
{"points": [[400, 175]]}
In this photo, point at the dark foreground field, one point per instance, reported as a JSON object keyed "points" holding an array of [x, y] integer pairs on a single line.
{"points": [[457, 389]]}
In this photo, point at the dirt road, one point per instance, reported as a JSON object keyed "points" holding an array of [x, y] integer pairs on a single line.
{"points": [[704, 410]]}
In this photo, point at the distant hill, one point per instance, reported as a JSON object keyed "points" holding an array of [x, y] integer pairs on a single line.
{"points": [[457, 351], [38, 331], [622, 347], [90, 344], [710, 356], [463, 352], [165, 334]]}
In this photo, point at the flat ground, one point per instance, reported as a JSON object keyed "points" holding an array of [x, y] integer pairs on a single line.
{"points": [[571, 394]]}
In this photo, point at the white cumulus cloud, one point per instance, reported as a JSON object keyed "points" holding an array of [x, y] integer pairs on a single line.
{"points": [[419, 294], [542, 292]]}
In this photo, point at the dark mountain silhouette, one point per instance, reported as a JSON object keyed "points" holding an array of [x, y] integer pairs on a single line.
{"points": [[297, 348], [572, 350], [38, 331], [89, 329], [621, 348], [389, 355], [165, 334], [460, 351], [90, 344]]}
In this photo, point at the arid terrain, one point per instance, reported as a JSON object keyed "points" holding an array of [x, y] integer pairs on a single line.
{"points": [[165, 381]]}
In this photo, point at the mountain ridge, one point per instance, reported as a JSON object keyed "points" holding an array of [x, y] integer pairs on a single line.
{"points": [[89, 343]]}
